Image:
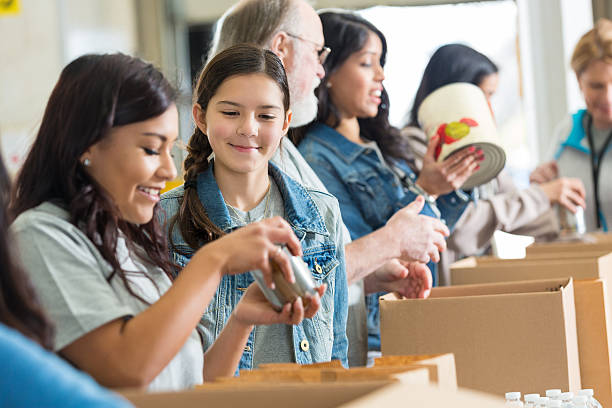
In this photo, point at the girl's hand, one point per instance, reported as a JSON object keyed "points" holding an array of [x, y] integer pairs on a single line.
{"points": [[254, 308], [442, 178], [254, 246]]}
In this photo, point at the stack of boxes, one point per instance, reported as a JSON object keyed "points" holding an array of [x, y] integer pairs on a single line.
{"points": [[525, 324]]}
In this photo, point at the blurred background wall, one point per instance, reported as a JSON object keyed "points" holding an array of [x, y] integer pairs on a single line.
{"points": [[531, 41]]}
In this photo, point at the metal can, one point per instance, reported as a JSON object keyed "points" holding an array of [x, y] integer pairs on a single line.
{"points": [[571, 223], [286, 292]]}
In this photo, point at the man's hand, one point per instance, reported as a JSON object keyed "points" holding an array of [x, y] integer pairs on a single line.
{"points": [[420, 238], [410, 279]]}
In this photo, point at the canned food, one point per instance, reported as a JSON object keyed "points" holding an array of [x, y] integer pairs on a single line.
{"points": [[571, 223], [286, 292]]}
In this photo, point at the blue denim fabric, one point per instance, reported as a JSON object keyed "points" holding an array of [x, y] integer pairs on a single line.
{"points": [[314, 217], [369, 193]]}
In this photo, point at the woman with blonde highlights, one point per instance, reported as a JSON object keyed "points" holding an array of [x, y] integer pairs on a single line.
{"points": [[583, 141]]}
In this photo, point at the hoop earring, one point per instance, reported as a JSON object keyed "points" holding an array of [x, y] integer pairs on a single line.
{"points": [[86, 162]]}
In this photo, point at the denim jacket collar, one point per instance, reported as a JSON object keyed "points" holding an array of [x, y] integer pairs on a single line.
{"points": [[301, 211], [340, 145]]}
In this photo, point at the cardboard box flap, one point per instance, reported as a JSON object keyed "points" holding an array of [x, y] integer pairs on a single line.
{"points": [[491, 289]]}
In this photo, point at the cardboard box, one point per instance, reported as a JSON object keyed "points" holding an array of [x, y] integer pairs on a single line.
{"points": [[476, 270], [590, 243], [408, 374], [593, 303], [345, 395], [441, 367], [505, 336]]}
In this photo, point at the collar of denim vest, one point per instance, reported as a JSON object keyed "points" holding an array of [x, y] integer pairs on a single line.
{"points": [[301, 211], [340, 145]]}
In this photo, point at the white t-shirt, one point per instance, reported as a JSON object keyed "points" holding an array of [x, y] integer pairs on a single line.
{"points": [[70, 278]]}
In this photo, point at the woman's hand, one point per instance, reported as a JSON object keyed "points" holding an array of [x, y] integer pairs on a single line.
{"points": [[410, 279], [442, 178], [254, 247], [254, 308], [544, 173], [569, 192]]}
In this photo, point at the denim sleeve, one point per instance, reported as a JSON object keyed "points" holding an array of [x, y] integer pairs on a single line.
{"points": [[351, 213], [451, 207], [340, 346]]}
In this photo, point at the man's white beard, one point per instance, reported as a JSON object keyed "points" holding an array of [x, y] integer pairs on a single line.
{"points": [[304, 111]]}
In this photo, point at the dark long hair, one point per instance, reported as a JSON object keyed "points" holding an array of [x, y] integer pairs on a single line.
{"points": [[94, 94], [346, 34], [242, 59], [449, 64], [19, 307]]}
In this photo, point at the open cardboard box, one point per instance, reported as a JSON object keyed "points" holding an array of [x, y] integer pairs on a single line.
{"points": [[408, 374], [593, 302], [591, 243], [505, 336], [441, 369], [486, 270], [309, 395]]}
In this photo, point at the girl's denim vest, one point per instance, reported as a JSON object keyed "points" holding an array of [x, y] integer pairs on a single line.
{"points": [[369, 193], [315, 219]]}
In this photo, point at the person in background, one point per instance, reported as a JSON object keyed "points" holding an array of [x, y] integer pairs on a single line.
{"points": [[581, 143], [32, 375], [241, 111], [359, 156], [500, 204], [89, 239], [292, 30]]}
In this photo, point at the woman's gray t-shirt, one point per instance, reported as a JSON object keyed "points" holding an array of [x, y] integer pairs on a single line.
{"points": [[70, 278]]}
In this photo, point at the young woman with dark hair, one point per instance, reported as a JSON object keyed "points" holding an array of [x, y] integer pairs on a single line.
{"points": [[358, 155], [501, 205], [241, 111], [85, 205], [455, 63], [34, 377]]}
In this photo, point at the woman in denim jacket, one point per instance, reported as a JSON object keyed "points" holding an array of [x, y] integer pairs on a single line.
{"points": [[241, 111], [360, 158]]}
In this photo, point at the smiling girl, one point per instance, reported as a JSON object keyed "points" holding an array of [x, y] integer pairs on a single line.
{"points": [[241, 112], [86, 202]]}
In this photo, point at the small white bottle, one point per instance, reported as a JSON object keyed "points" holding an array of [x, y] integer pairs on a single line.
{"points": [[580, 401], [531, 400], [542, 402], [591, 401], [513, 400], [554, 403], [554, 394], [567, 399]]}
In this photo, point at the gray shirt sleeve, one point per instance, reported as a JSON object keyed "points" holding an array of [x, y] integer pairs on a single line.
{"points": [[69, 276]]}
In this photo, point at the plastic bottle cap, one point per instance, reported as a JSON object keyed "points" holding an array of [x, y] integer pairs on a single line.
{"points": [[587, 391], [567, 396], [554, 403], [531, 397], [580, 399], [513, 395], [553, 392]]}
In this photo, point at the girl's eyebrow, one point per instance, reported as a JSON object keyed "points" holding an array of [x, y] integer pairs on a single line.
{"points": [[240, 106]]}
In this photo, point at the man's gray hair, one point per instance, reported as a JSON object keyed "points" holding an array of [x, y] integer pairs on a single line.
{"points": [[255, 22]]}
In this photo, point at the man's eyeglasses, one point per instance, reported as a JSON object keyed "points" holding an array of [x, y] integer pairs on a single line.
{"points": [[322, 51]]}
